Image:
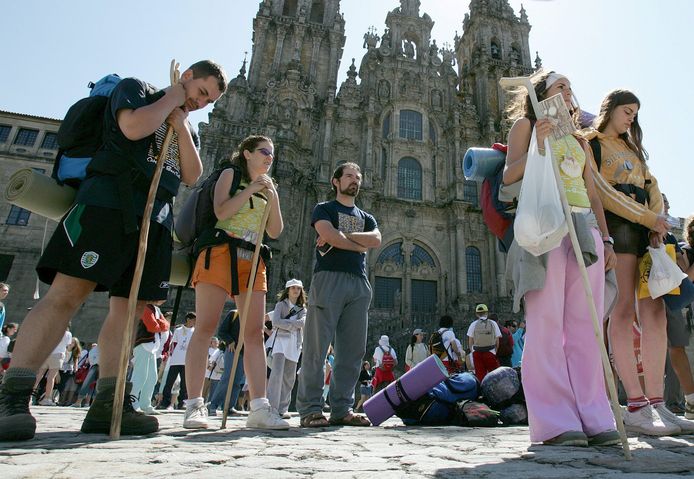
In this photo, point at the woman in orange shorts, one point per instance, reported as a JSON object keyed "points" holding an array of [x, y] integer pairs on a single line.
{"points": [[222, 270]]}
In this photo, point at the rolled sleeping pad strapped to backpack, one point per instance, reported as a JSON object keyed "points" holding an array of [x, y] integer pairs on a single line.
{"points": [[39, 194], [180, 267], [414, 384], [481, 163]]}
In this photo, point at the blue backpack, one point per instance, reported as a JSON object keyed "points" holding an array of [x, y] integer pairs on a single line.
{"points": [[81, 131], [438, 406]]}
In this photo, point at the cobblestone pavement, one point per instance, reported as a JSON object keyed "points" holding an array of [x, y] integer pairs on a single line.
{"points": [[389, 451]]}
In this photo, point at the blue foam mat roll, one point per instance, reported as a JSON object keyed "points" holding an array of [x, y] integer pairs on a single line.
{"points": [[481, 163]]}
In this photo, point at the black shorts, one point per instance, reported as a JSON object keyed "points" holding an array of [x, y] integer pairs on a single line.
{"points": [[90, 243], [629, 238], [678, 332]]}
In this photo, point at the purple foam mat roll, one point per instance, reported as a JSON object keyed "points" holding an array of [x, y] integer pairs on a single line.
{"points": [[414, 384]]}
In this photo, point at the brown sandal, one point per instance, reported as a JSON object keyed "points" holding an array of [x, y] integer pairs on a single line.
{"points": [[351, 419], [315, 419]]}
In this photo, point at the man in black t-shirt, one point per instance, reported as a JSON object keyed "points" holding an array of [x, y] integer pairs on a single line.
{"points": [[338, 303], [95, 245]]}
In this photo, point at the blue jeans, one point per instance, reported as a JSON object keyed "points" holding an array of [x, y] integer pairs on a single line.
{"points": [[220, 391]]}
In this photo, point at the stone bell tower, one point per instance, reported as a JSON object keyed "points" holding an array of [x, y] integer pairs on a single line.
{"points": [[494, 44], [288, 94]]}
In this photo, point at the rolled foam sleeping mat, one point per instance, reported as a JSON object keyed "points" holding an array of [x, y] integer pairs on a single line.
{"points": [[481, 163], [39, 194], [412, 385], [180, 269]]}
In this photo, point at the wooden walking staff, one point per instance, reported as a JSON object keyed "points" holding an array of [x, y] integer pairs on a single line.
{"points": [[246, 305], [137, 276], [597, 327]]}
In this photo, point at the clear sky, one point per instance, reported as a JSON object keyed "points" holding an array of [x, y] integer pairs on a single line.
{"points": [[52, 49]]}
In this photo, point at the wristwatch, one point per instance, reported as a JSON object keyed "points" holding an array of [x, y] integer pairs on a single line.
{"points": [[608, 239]]}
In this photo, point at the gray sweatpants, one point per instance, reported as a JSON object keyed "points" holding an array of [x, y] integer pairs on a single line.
{"points": [[281, 382], [338, 306]]}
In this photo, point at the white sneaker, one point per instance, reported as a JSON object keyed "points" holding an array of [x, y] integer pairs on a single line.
{"points": [[46, 402], [195, 418], [669, 417], [266, 418], [151, 412], [688, 410], [647, 421]]}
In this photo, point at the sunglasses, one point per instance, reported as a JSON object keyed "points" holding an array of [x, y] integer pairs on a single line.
{"points": [[266, 152]]}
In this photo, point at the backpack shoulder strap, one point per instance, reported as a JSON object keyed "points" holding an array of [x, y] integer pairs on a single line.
{"points": [[597, 150], [236, 180]]}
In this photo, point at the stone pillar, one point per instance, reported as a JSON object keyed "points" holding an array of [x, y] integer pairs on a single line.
{"points": [[314, 56], [281, 34]]}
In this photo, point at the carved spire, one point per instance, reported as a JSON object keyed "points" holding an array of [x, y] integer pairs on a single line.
{"points": [[523, 15], [538, 61]]}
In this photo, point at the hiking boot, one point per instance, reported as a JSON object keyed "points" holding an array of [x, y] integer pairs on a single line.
{"points": [[133, 423], [266, 418], [647, 421], [668, 417], [605, 438], [196, 417], [16, 422], [568, 438]]}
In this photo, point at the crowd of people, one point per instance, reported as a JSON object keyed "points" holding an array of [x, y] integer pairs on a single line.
{"points": [[317, 341]]}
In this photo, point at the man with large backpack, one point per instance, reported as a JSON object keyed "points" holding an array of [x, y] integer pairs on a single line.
{"points": [[95, 245], [446, 346], [483, 338]]}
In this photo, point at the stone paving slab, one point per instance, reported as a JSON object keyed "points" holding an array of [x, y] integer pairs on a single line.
{"points": [[390, 451]]}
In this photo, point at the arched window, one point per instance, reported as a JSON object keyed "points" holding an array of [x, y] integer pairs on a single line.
{"points": [[388, 290], [495, 49], [317, 9], [409, 179], [410, 125], [420, 256], [392, 253], [289, 9], [384, 163], [473, 268], [424, 297], [386, 127], [470, 192]]}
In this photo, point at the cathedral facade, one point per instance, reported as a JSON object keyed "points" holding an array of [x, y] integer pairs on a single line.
{"points": [[406, 114]]}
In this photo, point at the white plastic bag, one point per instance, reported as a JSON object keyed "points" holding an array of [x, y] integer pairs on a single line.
{"points": [[540, 224], [665, 275]]}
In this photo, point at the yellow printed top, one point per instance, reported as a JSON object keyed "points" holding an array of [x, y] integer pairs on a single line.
{"points": [[620, 165], [570, 157], [245, 223]]}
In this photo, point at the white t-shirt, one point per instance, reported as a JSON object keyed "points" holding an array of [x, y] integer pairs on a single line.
{"points": [[4, 343], [181, 338], [94, 356], [62, 345], [378, 354], [448, 336], [471, 330]]}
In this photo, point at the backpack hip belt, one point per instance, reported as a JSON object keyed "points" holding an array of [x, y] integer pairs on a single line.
{"points": [[218, 237]]}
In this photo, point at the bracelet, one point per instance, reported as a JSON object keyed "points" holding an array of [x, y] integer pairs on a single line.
{"points": [[608, 240]]}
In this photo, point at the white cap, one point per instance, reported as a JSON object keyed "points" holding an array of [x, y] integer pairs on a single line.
{"points": [[294, 282]]}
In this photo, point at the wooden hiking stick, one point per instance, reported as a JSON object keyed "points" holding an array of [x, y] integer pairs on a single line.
{"points": [[242, 316], [597, 327], [126, 347]]}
